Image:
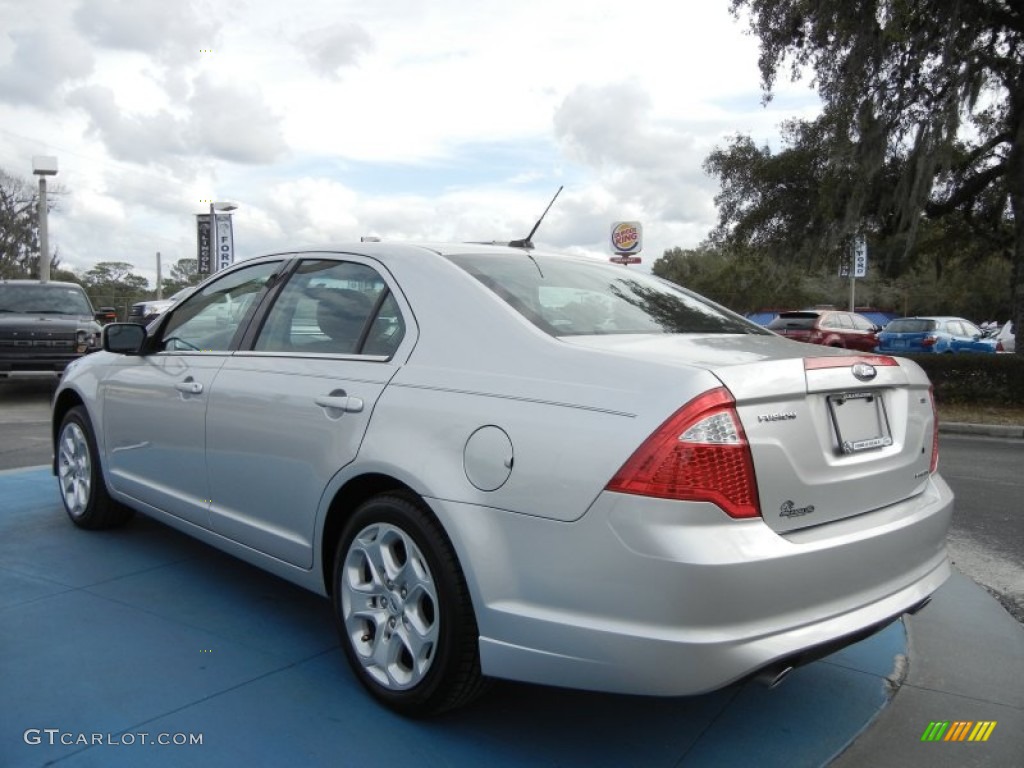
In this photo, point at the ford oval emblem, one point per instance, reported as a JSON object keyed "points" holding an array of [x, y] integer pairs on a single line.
{"points": [[864, 371]]}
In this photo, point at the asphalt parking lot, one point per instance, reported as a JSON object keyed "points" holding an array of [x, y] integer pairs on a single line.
{"points": [[109, 636], [24, 422]]}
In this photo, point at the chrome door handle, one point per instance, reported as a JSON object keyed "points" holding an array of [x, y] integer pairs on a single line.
{"points": [[340, 402], [189, 387]]}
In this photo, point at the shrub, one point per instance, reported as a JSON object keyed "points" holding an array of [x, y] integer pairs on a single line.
{"points": [[975, 379]]}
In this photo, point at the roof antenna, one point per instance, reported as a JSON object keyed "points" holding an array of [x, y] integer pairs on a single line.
{"points": [[527, 242]]}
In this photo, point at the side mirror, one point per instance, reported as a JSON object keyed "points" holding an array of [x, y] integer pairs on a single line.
{"points": [[123, 338]]}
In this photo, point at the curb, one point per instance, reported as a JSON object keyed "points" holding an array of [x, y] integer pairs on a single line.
{"points": [[988, 430]]}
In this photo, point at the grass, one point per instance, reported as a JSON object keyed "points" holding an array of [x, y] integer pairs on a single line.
{"points": [[982, 414]]}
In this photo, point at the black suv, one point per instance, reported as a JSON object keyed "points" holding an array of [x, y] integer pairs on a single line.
{"points": [[44, 326]]}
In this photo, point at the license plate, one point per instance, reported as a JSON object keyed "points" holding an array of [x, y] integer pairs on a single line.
{"points": [[860, 421], [899, 343]]}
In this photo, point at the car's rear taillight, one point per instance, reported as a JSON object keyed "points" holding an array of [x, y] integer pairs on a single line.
{"points": [[999, 347], [928, 341], [699, 454], [935, 432]]}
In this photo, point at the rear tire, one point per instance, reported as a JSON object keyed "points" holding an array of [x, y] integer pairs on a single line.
{"points": [[80, 477], [403, 609]]}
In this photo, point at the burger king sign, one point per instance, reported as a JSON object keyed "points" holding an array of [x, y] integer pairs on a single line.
{"points": [[627, 237]]}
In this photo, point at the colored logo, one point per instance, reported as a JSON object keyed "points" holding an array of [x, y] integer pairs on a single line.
{"points": [[626, 236], [958, 730]]}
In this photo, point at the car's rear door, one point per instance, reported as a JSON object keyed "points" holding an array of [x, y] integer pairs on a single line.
{"points": [[154, 405], [862, 336], [973, 338], [289, 413]]}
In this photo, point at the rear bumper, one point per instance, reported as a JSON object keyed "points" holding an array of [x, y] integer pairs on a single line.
{"points": [[647, 596]]}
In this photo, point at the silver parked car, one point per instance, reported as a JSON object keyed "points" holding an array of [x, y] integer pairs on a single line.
{"points": [[499, 462]]}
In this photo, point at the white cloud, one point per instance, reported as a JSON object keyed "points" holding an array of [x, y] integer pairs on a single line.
{"points": [[171, 32], [42, 60], [334, 48], [134, 138], [234, 123], [406, 119], [230, 123]]}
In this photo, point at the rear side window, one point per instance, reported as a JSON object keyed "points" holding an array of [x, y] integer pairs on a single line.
{"points": [[862, 323], [575, 297], [910, 325], [333, 308], [801, 321]]}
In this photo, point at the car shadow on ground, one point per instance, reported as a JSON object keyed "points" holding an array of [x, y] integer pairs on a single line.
{"points": [[144, 629]]}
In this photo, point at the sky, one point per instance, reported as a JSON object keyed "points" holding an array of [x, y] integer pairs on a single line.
{"points": [[328, 120]]}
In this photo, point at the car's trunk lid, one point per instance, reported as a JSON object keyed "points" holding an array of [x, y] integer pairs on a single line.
{"points": [[906, 342], [829, 438]]}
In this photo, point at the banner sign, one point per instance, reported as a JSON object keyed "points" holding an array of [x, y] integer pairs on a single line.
{"points": [[627, 237], [860, 257], [225, 243], [204, 251]]}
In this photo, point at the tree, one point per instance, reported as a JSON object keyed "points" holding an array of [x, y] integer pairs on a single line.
{"points": [[184, 273], [112, 283], [923, 115], [743, 282], [19, 227]]}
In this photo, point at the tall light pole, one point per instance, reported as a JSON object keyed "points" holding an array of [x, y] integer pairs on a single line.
{"points": [[43, 166]]}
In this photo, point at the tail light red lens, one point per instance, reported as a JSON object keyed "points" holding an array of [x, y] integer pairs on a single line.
{"points": [[845, 361], [935, 431], [699, 454], [928, 341]]}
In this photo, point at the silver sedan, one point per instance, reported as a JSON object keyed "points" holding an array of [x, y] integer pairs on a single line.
{"points": [[504, 463]]}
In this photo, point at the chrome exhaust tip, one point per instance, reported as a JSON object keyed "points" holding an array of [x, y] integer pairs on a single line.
{"points": [[772, 677], [915, 608]]}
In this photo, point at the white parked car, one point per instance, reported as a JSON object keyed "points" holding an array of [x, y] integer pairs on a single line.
{"points": [[499, 462], [145, 312], [1006, 337]]}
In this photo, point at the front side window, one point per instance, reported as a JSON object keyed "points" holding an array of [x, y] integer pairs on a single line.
{"points": [[208, 320], [574, 297], [333, 308]]}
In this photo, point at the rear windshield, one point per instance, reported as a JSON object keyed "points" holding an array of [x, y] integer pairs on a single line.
{"points": [[910, 325], [43, 298], [575, 297], [794, 321]]}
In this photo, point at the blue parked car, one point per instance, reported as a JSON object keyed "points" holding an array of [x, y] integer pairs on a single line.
{"points": [[913, 335]]}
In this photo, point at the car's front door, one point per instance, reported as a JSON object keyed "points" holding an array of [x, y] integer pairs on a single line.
{"points": [[154, 405], [287, 415]]}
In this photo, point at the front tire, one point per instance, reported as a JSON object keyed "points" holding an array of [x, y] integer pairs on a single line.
{"points": [[80, 478], [403, 609]]}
